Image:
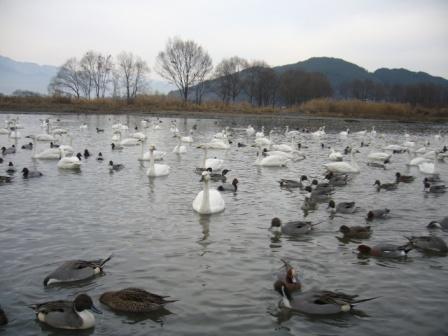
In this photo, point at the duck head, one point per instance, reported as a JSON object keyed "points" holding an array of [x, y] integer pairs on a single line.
{"points": [[276, 223], [84, 302], [111, 163], [331, 204], [434, 225], [370, 215], [25, 171], [235, 182], [79, 156], [291, 275], [364, 249], [344, 229], [303, 178]]}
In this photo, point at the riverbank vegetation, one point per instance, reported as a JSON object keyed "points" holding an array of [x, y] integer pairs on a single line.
{"points": [[162, 104]]}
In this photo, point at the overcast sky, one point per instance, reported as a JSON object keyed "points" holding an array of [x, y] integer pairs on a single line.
{"points": [[373, 34]]}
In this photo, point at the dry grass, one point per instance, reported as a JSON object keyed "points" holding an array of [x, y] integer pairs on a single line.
{"points": [[376, 110], [162, 103]]}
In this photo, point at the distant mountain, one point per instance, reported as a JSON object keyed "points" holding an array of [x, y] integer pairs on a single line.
{"points": [[24, 76], [339, 71], [16, 75]]}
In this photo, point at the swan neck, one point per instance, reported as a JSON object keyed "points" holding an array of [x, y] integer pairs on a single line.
{"points": [[151, 160], [205, 206], [205, 158]]}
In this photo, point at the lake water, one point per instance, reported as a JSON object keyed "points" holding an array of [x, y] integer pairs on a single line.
{"points": [[221, 268]]}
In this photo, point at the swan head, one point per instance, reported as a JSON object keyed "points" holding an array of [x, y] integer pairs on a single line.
{"points": [[152, 147]]}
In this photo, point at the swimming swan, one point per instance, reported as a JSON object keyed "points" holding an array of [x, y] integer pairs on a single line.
{"points": [[156, 169], [208, 201]]}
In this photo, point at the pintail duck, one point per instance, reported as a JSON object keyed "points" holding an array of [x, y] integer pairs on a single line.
{"points": [[99, 130], [10, 150], [116, 146], [229, 187], [385, 186], [218, 177], [287, 277], [292, 228], [440, 224], [429, 244], [320, 302], [404, 178], [357, 232], [322, 187], [434, 188], [385, 250], [76, 270], [11, 169], [28, 146], [377, 214], [133, 300], [337, 180], [67, 314], [30, 174], [293, 183], [3, 318], [342, 207], [115, 167]]}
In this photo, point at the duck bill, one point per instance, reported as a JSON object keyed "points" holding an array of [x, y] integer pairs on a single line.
{"points": [[95, 310]]}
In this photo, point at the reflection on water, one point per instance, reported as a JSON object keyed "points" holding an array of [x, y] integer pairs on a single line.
{"points": [[221, 267]]}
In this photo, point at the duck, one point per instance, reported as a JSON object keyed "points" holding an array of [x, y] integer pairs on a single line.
{"points": [[322, 187], [28, 146], [76, 270], [156, 169], [434, 188], [115, 167], [66, 162], [5, 179], [133, 300], [293, 183], [9, 150], [99, 130], [337, 180], [319, 302], [404, 178], [11, 169], [116, 146], [385, 250], [342, 207], [3, 318], [218, 177], [377, 214], [30, 174], [100, 157], [293, 228], [429, 244], [287, 277], [86, 153], [375, 164], [385, 186], [356, 232], [208, 201], [229, 186], [439, 224], [67, 314]]}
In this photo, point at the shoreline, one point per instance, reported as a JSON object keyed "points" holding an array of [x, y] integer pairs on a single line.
{"points": [[219, 114]]}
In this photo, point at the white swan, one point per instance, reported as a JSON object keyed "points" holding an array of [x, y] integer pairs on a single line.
{"points": [[343, 167], [139, 135], [179, 148], [260, 134], [146, 156], [130, 142], [155, 170], [320, 132], [188, 138], [250, 131], [270, 160], [45, 137], [263, 141], [378, 156], [214, 164], [292, 133], [116, 136], [47, 154], [219, 144], [373, 132], [429, 168], [344, 134], [83, 126], [71, 162], [208, 201], [335, 156]]}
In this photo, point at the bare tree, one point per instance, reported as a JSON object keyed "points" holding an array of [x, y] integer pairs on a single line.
{"points": [[252, 78], [183, 63], [132, 71], [68, 80], [88, 64], [101, 74], [228, 77]]}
